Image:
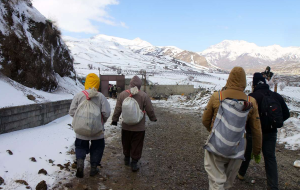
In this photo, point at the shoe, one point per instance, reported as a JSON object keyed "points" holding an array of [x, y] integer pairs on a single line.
{"points": [[127, 160], [240, 177], [94, 171], [80, 168], [134, 166]]}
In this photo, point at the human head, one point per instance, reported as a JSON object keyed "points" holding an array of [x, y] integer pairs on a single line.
{"points": [[92, 81], [135, 81], [268, 69], [236, 79], [258, 79]]}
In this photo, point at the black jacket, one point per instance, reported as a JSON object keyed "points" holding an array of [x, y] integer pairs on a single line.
{"points": [[258, 92]]}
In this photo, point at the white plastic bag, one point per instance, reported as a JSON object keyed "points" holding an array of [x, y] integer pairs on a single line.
{"points": [[87, 120], [131, 112]]}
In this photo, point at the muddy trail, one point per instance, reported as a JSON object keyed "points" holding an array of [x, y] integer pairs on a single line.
{"points": [[173, 159]]}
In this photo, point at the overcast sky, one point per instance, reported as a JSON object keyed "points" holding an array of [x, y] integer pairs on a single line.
{"points": [[188, 24]]}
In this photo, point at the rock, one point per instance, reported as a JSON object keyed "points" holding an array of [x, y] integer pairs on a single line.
{"points": [[30, 62], [1, 180], [61, 167], [28, 187], [74, 165], [30, 97], [51, 161], [33, 159], [297, 163], [69, 185], [43, 171], [41, 186], [252, 181], [9, 152], [21, 182]]}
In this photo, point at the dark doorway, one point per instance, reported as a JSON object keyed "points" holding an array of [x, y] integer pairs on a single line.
{"points": [[104, 83]]}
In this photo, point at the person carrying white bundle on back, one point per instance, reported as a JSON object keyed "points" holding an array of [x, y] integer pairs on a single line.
{"points": [[90, 110], [133, 104]]}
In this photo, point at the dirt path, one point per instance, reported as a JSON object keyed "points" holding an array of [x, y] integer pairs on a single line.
{"points": [[173, 159]]}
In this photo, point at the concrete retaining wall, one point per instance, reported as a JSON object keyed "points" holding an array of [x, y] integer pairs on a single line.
{"points": [[27, 116], [158, 90]]}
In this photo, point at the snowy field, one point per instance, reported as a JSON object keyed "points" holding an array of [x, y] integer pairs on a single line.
{"points": [[53, 142]]}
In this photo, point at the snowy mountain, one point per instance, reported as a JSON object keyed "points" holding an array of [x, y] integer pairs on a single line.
{"points": [[230, 53], [109, 53]]}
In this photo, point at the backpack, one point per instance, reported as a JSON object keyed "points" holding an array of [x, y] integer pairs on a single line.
{"points": [[131, 112], [87, 120], [271, 112], [227, 135]]}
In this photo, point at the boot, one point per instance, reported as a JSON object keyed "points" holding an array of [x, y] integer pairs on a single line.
{"points": [[80, 168], [127, 160], [134, 166], [240, 177], [94, 171]]}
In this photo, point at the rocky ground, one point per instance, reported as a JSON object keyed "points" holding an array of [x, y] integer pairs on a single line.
{"points": [[173, 159]]}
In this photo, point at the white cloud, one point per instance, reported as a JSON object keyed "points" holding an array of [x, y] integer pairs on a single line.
{"points": [[78, 15], [124, 25]]}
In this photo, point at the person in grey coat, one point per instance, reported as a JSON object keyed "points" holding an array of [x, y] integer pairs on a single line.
{"points": [[82, 143]]}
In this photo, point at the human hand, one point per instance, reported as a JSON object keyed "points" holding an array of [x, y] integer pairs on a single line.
{"points": [[256, 158]]}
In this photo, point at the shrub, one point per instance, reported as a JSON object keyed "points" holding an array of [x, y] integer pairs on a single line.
{"points": [[282, 85], [90, 66]]}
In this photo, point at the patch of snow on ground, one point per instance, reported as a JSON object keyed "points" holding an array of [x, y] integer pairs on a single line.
{"points": [[52, 141], [289, 134]]}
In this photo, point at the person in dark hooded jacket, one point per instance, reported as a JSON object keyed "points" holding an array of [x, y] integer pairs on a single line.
{"points": [[133, 135], [269, 133]]}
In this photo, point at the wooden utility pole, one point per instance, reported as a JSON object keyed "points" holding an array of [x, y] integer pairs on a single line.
{"points": [[145, 80]]}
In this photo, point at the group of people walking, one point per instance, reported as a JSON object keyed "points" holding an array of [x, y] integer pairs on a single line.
{"points": [[133, 130], [265, 112], [240, 127], [114, 91]]}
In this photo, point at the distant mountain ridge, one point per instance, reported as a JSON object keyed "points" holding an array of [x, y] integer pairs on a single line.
{"points": [[225, 55], [110, 52], [230, 53]]}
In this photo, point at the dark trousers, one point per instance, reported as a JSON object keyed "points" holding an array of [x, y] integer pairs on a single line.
{"points": [[82, 148], [133, 142], [268, 149]]}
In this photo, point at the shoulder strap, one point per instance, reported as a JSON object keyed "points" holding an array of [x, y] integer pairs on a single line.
{"points": [[130, 95], [220, 96], [86, 94]]}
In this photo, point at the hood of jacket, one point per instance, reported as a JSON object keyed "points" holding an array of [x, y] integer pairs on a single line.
{"points": [[136, 82], [92, 81], [237, 79]]}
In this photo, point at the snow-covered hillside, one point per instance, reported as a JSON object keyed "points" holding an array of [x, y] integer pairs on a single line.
{"points": [[107, 52], [230, 53], [110, 53], [34, 60]]}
